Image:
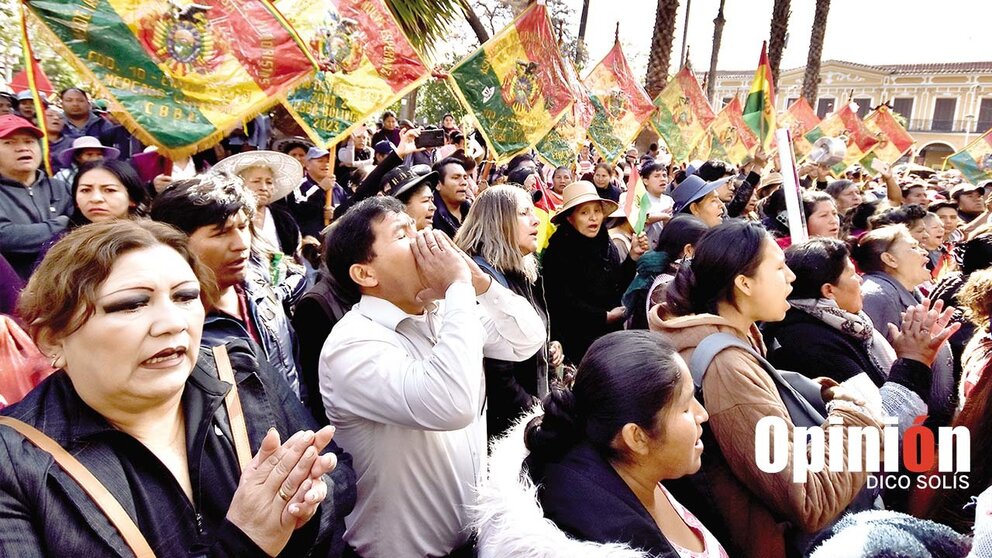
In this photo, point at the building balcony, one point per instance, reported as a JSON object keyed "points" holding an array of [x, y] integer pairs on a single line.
{"points": [[968, 126]]}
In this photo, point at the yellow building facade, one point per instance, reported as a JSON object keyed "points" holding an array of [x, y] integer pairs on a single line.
{"points": [[945, 105]]}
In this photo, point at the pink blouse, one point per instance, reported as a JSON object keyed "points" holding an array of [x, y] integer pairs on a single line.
{"points": [[711, 546]]}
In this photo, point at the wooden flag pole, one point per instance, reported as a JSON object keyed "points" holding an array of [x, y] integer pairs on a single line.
{"points": [[329, 194]]}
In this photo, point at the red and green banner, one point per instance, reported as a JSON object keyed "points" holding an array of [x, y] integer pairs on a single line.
{"points": [[728, 138], [622, 106], [799, 119], [559, 146], [845, 124], [975, 160], [759, 108], [682, 115], [893, 139], [516, 85], [366, 63], [182, 75]]}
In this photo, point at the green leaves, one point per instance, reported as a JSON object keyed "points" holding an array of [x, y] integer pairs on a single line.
{"points": [[426, 22]]}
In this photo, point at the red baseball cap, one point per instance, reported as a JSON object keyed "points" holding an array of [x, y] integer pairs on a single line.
{"points": [[9, 124]]}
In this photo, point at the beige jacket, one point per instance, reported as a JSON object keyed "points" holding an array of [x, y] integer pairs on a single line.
{"points": [[737, 393]]}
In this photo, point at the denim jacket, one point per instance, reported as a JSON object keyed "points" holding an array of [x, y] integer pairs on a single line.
{"points": [[44, 512], [267, 308]]}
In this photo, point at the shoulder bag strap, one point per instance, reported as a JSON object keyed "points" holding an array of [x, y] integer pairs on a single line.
{"points": [[235, 414], [91, 485], [795, 390]]}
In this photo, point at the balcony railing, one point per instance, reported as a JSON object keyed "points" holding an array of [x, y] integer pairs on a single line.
{"points": [[948, 126]]}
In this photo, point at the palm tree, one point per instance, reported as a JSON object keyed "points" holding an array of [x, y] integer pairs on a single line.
{"points": [[779, 31], [811, 80], [580, 45], [427, 22], [661, 46], [717, 38]]}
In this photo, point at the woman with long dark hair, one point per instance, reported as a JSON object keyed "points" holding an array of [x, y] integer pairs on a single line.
{"points": [[736, 279], [657, 268], [108, 189], [583, 272], [599, 455]]}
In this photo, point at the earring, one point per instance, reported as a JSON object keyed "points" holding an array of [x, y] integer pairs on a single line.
{"points": [[56, 362]]}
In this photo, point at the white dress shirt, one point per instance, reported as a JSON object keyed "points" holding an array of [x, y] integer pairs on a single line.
{"points": [[406, 394]]}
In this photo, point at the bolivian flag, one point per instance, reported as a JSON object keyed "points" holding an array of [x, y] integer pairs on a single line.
{"points": [[893, 140], [622, 105], [844, 123], [183, 74], [559, 146], [975, 160], [366, 64], [799, 118], [759, 108], [729, 137], [515, 85], [683, 114]]}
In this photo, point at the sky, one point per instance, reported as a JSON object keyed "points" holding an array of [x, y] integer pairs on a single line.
{"points": [[864, 31]]}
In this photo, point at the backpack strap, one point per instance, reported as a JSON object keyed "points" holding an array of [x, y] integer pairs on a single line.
{"points": [[109, 505], [232, 402], [491, 270], [800, 395]]}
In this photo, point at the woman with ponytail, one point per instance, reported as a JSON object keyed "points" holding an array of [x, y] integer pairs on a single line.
{"points": [[738, 277], [597, 458]]}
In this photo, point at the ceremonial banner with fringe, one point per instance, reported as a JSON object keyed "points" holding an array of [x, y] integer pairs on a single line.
{"points": [[728, 138], [893, 139], [759, 108], [33, 76], [561, 144], [516, 85], [183, 76], [622, 105], [975, 160], [844, 123], [366, 64], [799, 119], [683, 114]]}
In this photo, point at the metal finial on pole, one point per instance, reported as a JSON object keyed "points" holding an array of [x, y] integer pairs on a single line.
{"points": [[616, 35]]}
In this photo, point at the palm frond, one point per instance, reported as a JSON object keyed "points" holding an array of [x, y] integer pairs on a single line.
{"points": [[426, 22]]}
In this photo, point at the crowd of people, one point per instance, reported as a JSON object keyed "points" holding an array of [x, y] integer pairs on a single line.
{"points": [[271, 349]]}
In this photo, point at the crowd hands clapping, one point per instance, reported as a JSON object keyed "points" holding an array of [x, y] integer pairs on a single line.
{"points": [[413, 319]]}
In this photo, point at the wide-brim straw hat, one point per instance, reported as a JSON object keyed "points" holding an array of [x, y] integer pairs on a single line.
{"points": [[287, 172], [578, 193]]}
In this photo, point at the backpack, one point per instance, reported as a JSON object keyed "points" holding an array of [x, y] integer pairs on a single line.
{"points": [[806, 408]]}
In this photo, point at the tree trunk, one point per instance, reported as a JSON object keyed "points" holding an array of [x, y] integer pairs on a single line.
{"points": [[776, 39], [717, 38], [811, 80], [684, 52], [475, 23], [661, 46], [409, 110], [580, 44]]}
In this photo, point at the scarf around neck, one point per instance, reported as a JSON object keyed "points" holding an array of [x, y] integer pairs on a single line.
{"points": [[858, 326]]}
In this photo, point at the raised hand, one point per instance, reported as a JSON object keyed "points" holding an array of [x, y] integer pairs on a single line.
{"points": [[282, 487], [439, 263], [922, 331]]}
